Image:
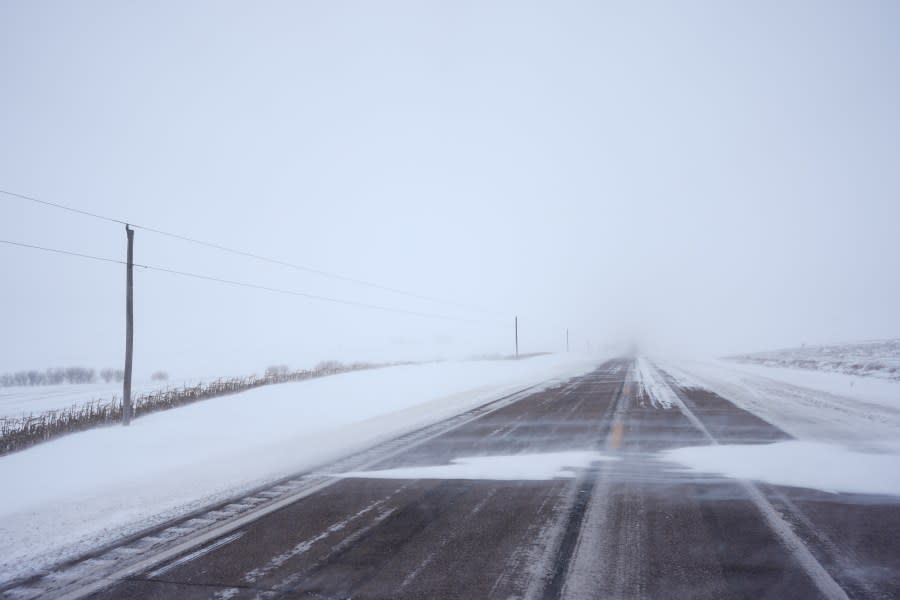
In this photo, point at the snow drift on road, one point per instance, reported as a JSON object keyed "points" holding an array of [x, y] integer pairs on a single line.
{"points": [[66, 496], [859, 413], [815, 465], [514, 467], [847, 428], [650, 382]]}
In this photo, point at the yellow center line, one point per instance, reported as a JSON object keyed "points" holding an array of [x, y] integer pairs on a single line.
{"points": [[618, 432]]}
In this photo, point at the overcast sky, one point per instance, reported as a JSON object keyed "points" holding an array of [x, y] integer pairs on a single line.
{"points": [[698, 177]]}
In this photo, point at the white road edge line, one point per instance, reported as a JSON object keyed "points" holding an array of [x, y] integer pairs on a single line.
{"points": [[196, 554], [226, 528], [814, 569]]}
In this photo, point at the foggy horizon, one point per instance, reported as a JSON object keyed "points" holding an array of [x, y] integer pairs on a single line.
{"points": [[701, 180]]}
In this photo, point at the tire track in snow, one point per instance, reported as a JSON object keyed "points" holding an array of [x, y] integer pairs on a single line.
{"points": [[583, 492], [196, 554], [303, 546], [428, 559]]}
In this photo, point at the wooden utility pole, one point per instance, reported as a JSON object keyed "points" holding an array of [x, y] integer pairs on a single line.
{"points": [[129, 328], [517, 336]]}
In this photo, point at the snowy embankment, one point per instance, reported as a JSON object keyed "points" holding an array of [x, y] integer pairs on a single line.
{"points": [[878, 358], [66, 496]]}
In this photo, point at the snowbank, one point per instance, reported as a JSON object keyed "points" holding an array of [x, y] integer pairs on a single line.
{"points": [[66, 496], [874, 358], [885, 392]]}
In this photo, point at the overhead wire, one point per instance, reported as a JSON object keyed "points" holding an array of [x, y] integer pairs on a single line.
{"points": [[68, 252], [63, 207], [255, 256], [244, 284]]}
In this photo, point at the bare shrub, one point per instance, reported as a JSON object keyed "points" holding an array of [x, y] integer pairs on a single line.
{"points": [[18, 433], [329, 366], [277, 371]]}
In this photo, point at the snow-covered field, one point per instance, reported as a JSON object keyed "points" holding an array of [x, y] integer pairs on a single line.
{"points": [[879, 358], [23, 400], [71, 494]]}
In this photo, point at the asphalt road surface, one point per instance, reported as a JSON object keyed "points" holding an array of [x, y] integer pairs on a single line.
{"points": [[630, 527]]}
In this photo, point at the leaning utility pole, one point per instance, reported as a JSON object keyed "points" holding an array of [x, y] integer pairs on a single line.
{"points": [[517, 336], [129, 328]]}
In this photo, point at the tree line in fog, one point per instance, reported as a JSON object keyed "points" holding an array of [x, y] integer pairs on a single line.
{"points": [[68, 375]]}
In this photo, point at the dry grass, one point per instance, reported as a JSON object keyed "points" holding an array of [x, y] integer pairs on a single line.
{"points": [[18, 433]]}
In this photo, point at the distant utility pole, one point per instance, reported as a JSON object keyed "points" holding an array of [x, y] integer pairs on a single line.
{"points": [[129, 328], [517, 335], [567, 339]]}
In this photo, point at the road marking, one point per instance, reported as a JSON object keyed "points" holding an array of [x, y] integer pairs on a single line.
{"points": [[196, 554], [616, 439], [814, 569], [562, 556], [73, 582], [304, 545]]}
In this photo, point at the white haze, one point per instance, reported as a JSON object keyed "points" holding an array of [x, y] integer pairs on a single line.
{"points": [[693, 177]]}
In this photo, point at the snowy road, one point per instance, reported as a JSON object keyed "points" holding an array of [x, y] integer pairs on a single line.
{"points": [[562, 493]]}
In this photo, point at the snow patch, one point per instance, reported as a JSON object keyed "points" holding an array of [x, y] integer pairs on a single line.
{"points": [[826, 467], [515, 467]]}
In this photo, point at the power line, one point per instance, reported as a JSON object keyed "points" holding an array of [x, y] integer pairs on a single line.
{"points": [[252, 255], [63, 207], [68, 252], [244, 284], [282, 263], [307, 295]]}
